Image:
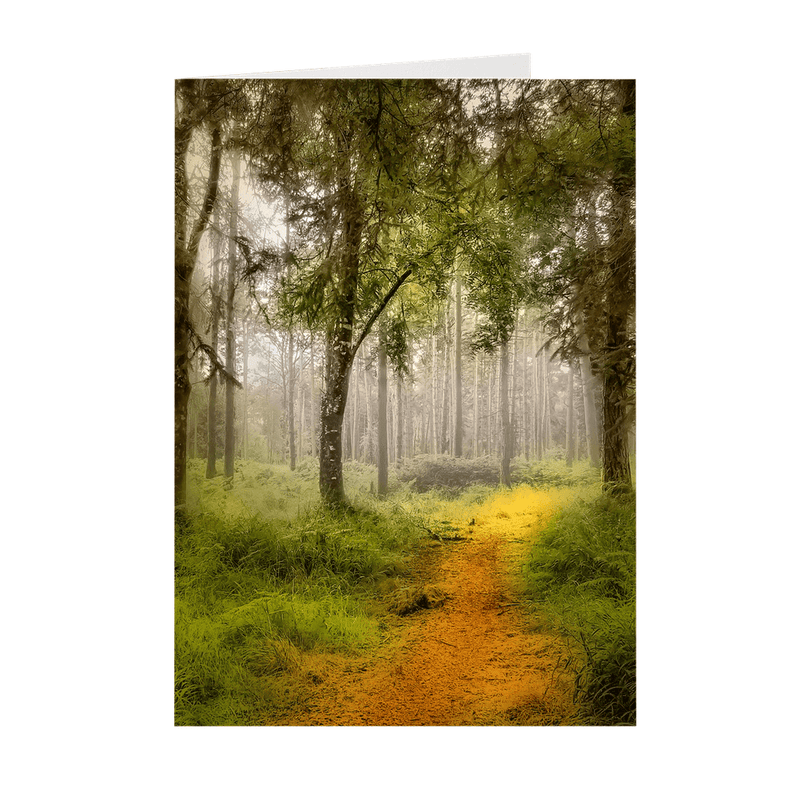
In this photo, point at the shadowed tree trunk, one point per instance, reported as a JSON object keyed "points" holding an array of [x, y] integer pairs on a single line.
{"points": [[187, 244], [617, 360]]}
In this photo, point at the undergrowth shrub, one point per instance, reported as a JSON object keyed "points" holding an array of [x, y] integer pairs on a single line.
{"points": [[450, 475], [426, 472], [583, 570], [554, 472]]}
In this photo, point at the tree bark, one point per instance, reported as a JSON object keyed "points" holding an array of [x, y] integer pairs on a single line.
{"points": [[458, 436], [383, 433], [589, 408], [369, 454], [505, 420], [186, 247], [314, 433], [475, 412], [230, 333], [290, 402], [570, 443], [398, 450], [291, 366], [211, 452], [339, 353], [246, 347], [444, 428], [617, 356]]}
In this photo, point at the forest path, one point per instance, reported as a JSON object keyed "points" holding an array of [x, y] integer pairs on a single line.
{"points": [[475, 660]]}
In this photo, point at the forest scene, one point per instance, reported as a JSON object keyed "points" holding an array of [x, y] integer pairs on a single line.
{"points": [[405, 402]]}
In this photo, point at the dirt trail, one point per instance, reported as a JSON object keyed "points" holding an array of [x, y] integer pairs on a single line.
{"points": [[473, 661]]}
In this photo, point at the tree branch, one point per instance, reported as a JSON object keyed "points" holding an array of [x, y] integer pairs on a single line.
{"points": [[216, 365], [209, 199], [377, 312]]}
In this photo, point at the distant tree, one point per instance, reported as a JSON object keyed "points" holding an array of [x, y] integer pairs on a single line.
{"points": [[214, 302], [230, 323]]}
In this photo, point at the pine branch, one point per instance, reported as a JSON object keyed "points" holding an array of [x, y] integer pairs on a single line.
{"points": [[377, 312], [217, 366]]}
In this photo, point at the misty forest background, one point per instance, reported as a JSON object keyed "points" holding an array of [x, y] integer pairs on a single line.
{"points": [[399, 268]]}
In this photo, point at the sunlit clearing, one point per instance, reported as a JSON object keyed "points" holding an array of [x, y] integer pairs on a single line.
{"points": [[503, 512]]}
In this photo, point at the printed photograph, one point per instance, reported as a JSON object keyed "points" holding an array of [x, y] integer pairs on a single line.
{"points": [[405, 392]]}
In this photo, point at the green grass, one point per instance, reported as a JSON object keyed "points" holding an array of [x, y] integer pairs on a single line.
{"points": [[582, 572], [267, 580], [265, 576]]}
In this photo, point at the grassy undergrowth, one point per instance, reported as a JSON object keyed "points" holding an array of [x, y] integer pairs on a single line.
{"points": [[262, 584], [583, 573], [268, 583]]}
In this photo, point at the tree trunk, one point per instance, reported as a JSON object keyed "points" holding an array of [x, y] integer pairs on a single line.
{"points": [[354, 421], [246, 347], [526, 418], [230, 342], [186, 248], [538, 406], [383, 433], [589, 408], [444, 445], [314, 434], [616, 457], [369, 453], [291, 370], [398, 450], [475, 411], [617, 356], [570, 443], [338, 363], [339, 354], [211, 452], [290, 403], [505, 420], [513, 399], [458, 436], [546, 423]]}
